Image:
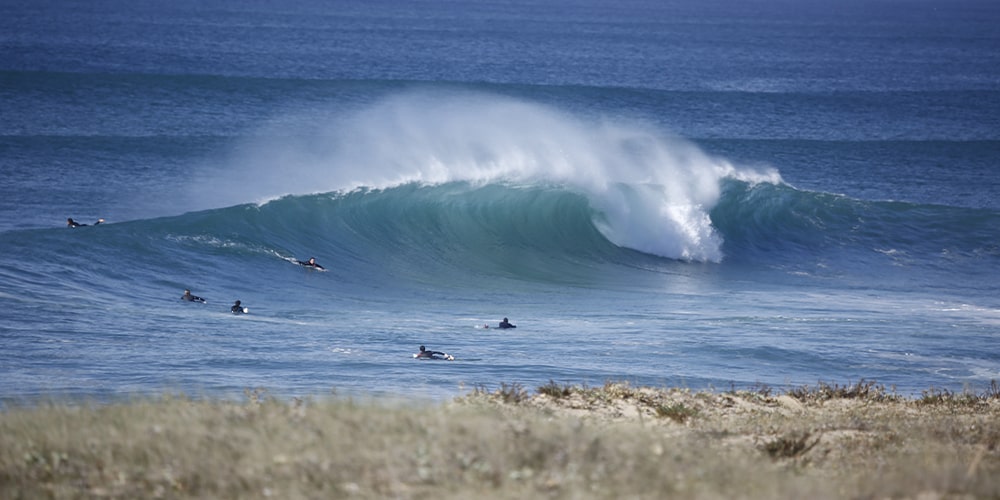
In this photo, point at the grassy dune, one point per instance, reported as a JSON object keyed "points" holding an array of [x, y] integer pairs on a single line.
{"points": [[614, 441]]}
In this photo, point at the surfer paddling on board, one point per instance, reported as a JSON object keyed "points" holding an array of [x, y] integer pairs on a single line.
{"points": [[238, 309], [191, 298], [310, 263], [425, 354], [72, 223], [506, 324]]}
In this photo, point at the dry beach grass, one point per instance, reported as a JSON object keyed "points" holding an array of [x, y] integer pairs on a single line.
{"points": [[614, 441]]}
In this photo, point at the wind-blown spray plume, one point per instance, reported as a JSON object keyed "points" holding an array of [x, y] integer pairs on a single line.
{"points": [[649, 191]]}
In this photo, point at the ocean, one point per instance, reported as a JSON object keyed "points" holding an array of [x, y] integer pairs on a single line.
{"points": [[702, 194]]}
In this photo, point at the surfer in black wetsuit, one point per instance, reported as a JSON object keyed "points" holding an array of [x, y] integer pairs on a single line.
{"points": [[425, 354], [72, 223], [506, 324], [191, 298], [237, 308], [310, 263]]}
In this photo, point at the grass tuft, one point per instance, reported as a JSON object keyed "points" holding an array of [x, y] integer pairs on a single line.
{"points": [[945, 397], [514, 393], [993, 392], [678, 412], [555, 390], [862, 390], [793, 445]]}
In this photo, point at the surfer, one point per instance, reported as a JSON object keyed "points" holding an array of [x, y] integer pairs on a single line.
{"points": [[425, 354], [72, 223], [237, 308], [310, 263], [506, 324], [191, 298]]}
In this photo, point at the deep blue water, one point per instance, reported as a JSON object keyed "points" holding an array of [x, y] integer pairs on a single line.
{"points": [[699, 194]]}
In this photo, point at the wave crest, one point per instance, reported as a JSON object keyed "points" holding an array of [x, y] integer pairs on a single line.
{"points": [[650, 191]]}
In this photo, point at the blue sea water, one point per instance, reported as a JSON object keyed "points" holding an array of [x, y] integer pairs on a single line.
{"points": [[703, 194]]}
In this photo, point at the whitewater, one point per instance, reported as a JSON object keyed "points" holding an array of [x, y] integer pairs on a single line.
{"points": [[701, 227]]}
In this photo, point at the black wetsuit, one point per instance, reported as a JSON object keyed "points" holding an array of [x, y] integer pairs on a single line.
{"points": [[506, 324], [192, 298], [237, 308], [309, 264], [429, 354], [73, 223]]}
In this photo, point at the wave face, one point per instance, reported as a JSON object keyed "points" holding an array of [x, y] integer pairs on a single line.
{"points": [[460, 232], [501, 229], [776, 222]]}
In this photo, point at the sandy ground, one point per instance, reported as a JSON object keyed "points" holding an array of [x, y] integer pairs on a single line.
{"points": [[821, 426]]}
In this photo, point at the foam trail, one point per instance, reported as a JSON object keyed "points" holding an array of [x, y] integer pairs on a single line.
{"points": [[651, 193]]}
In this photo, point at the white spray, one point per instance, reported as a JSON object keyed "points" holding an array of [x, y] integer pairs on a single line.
{"points": [[653, 193]]}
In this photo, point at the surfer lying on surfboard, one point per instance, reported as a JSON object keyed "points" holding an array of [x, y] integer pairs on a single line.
{"points": [[310, 263], [425, 354], [72, 223], [191, 298]]}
